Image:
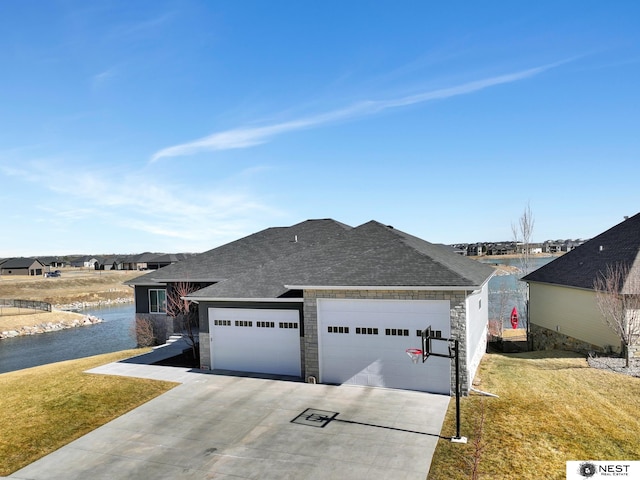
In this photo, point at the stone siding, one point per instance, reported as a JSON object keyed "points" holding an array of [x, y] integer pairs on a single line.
{"points": [[205, 351], [634, 351], [311, 365], [545, 339]]}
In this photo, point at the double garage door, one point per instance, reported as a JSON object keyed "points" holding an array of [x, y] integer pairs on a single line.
{"points": [[360, 342], [364, 342]]}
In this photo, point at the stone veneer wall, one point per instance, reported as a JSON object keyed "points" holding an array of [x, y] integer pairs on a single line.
{"points": [[545, 339], [457, 315], [634, 351]]}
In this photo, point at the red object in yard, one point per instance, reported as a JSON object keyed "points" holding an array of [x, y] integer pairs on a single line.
{"points": [[514, 318]]}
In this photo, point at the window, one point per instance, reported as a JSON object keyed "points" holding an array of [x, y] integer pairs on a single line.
{"points": [[397, 332], [288, 324], [338, 329], [157, 301], [222, 323], [244, 323], [265, 324], [366, 331], [434, 333]]}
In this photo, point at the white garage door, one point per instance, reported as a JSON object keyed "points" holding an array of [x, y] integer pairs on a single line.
{"points": [[255, 340], [364, 342]]}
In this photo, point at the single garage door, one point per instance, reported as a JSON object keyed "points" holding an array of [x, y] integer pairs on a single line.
{"points": [[255, 340], [364, 342]]}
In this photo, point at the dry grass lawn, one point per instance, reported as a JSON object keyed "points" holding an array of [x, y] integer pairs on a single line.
{"points": [[46, 407], [552, 408], [75, 285]]}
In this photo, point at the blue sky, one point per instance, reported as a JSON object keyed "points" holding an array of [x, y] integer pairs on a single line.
{"points": [[181, 125]]}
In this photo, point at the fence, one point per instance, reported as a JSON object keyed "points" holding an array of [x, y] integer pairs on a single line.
{"points": [[30, 304]]}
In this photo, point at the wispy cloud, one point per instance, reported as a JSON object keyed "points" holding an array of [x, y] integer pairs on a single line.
{"points": [[173, 211], [103, 77], [245, 137]]}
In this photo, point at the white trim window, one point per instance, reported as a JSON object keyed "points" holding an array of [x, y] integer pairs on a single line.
{"points": [[158, 301]]}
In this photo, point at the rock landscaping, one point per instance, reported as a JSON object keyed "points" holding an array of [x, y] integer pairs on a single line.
{"points": [[51, 326]]}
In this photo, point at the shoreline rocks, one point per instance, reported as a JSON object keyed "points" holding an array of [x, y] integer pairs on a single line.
{"points": [[51, 326], [75, 306]]}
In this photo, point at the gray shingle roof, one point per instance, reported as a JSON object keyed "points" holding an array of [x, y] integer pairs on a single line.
{"points": [[369, 255], [580, 267], [19, 262], [247, 253]]}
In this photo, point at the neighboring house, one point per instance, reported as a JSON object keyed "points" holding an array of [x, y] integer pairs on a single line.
{"points": [[151, 261], [562, 300], [52, 262], [508, 248], [330, 303], [163, 260], [86, 262], [23, 266], [109, 263]]}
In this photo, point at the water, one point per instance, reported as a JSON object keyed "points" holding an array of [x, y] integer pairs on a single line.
{"points": [[112, 335], [507, 291]]}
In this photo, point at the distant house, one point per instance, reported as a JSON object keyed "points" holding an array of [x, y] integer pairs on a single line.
{"points": [[562, 306], [109, 263], [506, 248], [326, 302], [151, 261], [476, 249], [86, 262], [23, 266], [52, 262]]}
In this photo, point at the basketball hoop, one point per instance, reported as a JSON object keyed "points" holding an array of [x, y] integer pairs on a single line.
{"points": [[415, 354]]}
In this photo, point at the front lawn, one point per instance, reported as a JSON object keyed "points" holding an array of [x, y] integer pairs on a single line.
{"points": [[44, 408], [551, 408]]}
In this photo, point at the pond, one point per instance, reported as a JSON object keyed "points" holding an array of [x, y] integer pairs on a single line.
{"points": [[113, 334], [507, 291]]}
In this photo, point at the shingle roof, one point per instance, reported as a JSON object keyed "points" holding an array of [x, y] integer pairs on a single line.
{"points": [[19, 262], [247, 253], [581, 266], [369, 255]]}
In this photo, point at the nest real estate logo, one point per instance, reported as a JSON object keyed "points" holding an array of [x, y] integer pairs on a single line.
{"points": [[580, 470]]}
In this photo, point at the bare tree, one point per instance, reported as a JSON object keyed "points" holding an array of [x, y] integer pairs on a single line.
{"points": [[522, 233], [185, 313], [142, 328], [618, 298]]}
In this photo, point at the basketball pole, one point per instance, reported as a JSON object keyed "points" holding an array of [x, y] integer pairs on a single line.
{"points": [[457, 438], [426, 345]]}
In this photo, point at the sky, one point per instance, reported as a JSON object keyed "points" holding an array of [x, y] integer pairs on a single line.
{"points": [[178, 126]]}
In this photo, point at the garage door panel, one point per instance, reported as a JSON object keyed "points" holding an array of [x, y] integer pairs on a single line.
{"points": [[255, 340], [381, 360]]}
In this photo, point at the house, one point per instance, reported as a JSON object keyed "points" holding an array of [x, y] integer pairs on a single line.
{"points": [[52, 262], [562, 300], [109, 263], [86, 262], [151, 261], [330, 303], [23, 266]]}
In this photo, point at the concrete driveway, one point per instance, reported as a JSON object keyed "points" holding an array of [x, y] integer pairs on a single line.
{"points": [[221, 426]]}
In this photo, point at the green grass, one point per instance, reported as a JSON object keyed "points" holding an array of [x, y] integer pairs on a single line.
{"points": [[44, 408], [552, 408]]}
